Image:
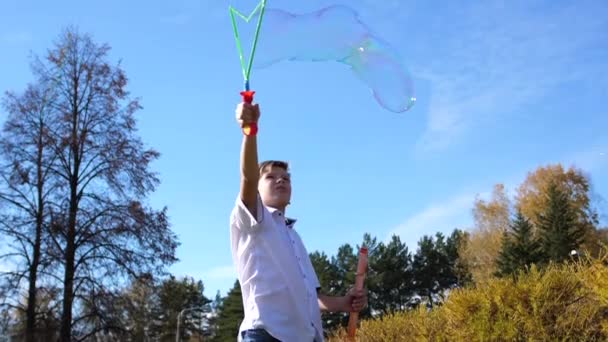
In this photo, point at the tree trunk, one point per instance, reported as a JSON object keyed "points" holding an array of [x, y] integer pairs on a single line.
{"points": [[70, 251], [68, 289], [30, 329]]}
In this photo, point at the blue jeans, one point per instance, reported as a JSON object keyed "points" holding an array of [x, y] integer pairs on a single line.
{"points": [[257, 335]]}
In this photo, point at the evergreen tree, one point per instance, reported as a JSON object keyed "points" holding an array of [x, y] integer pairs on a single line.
{"points": [[230, 315], [137, 306], [560, 233], [392, 280], [433, 271], [212, 320], [336, 275], [371, 278], [327, 272], [526, 247], [344, 264], [520, 248], [459, 274], [504, 260], [183, 296]]}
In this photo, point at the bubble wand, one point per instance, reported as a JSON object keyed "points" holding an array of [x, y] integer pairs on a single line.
{"points": [[360, 278], [247, 94]]}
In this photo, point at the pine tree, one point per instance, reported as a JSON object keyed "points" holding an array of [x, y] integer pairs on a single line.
{"points": [[230, 315], [185, 296], [526, 247], [458, 273], [211, 327], [433, 269], [504, 261], [520, 249], [560, 232], [331, 284], [391, 277]]}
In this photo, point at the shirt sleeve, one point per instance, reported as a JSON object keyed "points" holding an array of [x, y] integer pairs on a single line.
{"points": [[313, 276], [242, 219], [315, 280]]}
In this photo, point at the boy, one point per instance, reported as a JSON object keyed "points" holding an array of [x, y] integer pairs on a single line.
{"points": [[280, 289]]}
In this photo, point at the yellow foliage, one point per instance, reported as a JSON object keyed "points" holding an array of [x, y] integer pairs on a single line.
{"points": [[416, 325], [483, 245], [559, 303], [532, 199], [531, 195]]}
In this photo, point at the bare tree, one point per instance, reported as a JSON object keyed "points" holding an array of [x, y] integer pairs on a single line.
{"points": [[96, 175], [105, 230], [25, 191]]}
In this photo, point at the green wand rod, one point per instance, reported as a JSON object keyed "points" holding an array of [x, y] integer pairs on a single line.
{"points": [[247, 94]]}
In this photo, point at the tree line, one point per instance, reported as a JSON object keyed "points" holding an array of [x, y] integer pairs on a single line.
{"points": [[552, 219]]}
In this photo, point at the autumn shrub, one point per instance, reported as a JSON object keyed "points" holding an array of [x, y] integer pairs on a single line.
{"points": [[567, 302]]}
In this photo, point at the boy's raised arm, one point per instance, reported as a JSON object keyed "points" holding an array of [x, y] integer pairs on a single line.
{"points": [[247, 114]]}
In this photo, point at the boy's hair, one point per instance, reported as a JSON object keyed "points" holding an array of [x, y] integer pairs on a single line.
{"points": [[265, 165]]}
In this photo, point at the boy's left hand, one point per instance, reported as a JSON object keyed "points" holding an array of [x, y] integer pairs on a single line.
{"points": [[355, 300]]}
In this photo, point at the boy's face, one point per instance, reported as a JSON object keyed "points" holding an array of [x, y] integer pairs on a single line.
{"points": [[275, 187]]}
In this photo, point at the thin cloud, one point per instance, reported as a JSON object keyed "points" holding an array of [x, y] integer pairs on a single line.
{"points": [[500, 57], [176, 19], [591, 160], [220, 273], [456, 212], [15, 37], [594, 162], [188, 11], [443, 216]]}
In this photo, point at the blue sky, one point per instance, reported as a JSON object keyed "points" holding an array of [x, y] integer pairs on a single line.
{"points": [[502, 87]]}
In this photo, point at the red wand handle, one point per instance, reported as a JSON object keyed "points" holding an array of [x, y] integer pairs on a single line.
{"points": [[252, 128], [359, 280]]}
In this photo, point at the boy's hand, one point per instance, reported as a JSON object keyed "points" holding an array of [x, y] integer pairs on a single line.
{"points": [[247, 114], [355, 300]]}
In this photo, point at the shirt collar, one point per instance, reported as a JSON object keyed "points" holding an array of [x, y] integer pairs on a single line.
{"points": [[289, 222]]}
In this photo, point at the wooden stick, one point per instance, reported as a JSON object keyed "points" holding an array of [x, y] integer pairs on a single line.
{"points": [[359, 280]]}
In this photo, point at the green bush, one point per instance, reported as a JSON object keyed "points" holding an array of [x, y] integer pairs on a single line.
{"points": [[567, 302]]}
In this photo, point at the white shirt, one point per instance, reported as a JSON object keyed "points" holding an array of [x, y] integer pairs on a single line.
{"points": [[277, 279]]}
